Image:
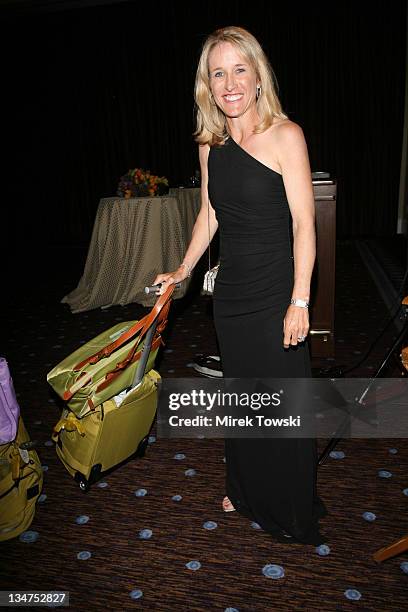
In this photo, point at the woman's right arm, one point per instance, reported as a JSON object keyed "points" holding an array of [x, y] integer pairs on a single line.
{"points": [[204, 229]]}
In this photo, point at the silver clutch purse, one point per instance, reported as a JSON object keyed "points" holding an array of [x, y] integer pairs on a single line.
{"points": [[209, 280], [211, 274]]}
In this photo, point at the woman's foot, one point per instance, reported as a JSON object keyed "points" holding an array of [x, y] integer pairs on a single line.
{"points": [[227, 506]]}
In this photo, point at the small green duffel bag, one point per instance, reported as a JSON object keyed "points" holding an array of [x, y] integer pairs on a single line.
{"points": [[110, 363]]}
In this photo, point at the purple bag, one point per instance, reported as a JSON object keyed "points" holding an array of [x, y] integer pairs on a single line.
{"points": [[9, 408]]}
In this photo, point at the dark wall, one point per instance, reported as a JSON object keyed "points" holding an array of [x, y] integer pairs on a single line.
{"points": [[92, 92]]}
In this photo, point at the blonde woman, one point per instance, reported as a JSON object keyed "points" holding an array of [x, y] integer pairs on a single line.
{"points": [[255, 179]]}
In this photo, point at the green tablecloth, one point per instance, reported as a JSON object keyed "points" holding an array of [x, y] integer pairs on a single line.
{"points": [[132, 241]]}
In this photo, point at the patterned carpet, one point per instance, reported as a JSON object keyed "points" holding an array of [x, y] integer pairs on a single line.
{"points": [[152, 535]]}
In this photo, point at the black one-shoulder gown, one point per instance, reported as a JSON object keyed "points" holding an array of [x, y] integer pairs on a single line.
{"points": [[271, 481]]}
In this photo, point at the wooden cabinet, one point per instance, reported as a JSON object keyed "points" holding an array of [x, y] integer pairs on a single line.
{"points": [[323, 280]]}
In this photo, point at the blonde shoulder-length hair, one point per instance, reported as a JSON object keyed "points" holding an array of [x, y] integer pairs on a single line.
{"points": [[211, 126]]}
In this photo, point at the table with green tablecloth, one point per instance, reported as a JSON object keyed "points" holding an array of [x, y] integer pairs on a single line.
{"points": [[132, 241]]}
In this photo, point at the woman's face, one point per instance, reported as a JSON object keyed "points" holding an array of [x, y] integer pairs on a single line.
{"points": [[232, 80]]}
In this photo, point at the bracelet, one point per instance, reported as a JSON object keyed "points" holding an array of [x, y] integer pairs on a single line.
{"points": [[186, 266], [301, 303]]}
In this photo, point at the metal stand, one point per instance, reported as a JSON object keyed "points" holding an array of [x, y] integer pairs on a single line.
{"points": [[338, 435]]}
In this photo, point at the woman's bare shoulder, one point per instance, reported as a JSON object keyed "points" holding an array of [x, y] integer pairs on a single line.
{"points": [[285, 130], [282, 135]]}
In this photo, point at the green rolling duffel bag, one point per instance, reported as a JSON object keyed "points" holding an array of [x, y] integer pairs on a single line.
{"points": [[111, 393]]}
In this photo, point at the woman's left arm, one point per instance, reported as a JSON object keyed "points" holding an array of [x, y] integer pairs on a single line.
{"points": [[297, 178]]}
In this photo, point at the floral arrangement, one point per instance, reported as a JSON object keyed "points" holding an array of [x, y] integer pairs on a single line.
{"points": [[141, 183]]}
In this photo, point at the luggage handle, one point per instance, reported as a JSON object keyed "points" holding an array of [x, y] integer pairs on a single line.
{"points": [[141, 366], [143, 325], [162, 319]]}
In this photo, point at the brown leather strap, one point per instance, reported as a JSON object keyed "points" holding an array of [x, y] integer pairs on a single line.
{"points": [[155, 311], [162, 322], [91, 404], [87, 377], [143, 325], [80, 382], [107, 350], [160, 309]]}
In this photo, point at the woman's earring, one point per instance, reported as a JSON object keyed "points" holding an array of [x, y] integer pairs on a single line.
{"points": [[258, 91]]}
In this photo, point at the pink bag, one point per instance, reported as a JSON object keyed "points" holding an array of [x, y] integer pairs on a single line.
{"points": [[9, 408]]}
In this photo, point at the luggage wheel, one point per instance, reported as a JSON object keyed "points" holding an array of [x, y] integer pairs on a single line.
{"points": [[84, 484], [141, 449]]}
